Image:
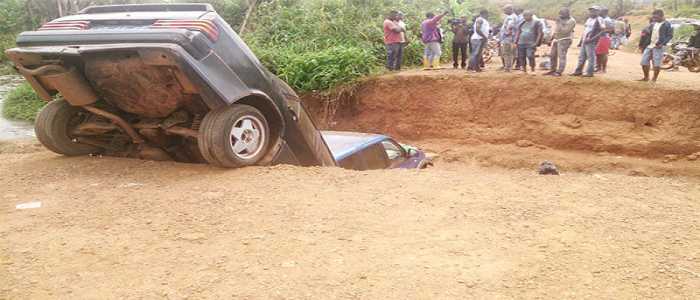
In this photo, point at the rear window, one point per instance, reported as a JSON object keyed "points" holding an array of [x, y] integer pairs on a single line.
{"points": [[371, 158]]}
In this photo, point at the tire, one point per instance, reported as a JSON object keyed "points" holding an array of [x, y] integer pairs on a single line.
{"points": [[667, 62], [234, 136], [487, 54], [53, 126]]}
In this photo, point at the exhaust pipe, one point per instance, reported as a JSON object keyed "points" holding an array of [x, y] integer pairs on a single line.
{"points": [[117, 120]]}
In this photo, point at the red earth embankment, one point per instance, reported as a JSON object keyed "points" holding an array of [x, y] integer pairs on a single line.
{"points": [[567, 114]]}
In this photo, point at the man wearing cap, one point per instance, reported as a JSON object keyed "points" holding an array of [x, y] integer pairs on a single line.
{"points": [[589, 40]]}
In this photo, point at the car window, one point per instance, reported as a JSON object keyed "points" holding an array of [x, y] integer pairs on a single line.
{"points": [[393, 151], [375, 157]]}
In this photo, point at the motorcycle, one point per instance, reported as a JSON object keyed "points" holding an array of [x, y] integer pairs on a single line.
{"points": [[682, 55]]}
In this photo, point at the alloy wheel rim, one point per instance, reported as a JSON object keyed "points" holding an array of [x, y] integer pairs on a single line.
{"points": [[247, 137]]}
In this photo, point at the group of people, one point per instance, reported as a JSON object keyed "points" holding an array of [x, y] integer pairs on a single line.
{"points": [[521, 33]]}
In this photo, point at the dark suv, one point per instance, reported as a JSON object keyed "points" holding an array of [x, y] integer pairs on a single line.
{"points": [[164, 82]]}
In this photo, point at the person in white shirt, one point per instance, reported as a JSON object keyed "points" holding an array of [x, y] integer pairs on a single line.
{"points": [[589, 40], [507, 38], [404, 41], [478, 40]]}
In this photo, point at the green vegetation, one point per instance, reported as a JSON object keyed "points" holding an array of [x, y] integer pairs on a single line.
{"points": [[22, 103], [317, 45]]}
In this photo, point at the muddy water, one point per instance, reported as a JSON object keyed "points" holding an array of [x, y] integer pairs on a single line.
{"points": [[10, 129]]}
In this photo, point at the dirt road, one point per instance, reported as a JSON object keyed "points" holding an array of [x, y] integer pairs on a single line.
{"points": [[120, 228]]}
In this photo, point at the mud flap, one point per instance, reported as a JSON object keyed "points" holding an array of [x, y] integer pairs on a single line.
{"points": [[285, 156]]}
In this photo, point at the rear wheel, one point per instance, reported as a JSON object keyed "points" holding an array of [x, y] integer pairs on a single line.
{"points": [[54, 125], [234, 136]]}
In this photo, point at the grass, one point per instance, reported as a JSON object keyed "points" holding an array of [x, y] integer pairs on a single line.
{"points": [[22, 103]]}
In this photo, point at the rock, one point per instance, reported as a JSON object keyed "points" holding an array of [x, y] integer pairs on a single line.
{"points": [[548, 168], [637, 173], [192, 237], [524, 143], [288, 264], [574, 123], [670, 158]]}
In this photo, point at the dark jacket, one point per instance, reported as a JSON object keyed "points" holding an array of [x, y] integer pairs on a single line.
{"points": [[665, 34], [645, 38], [594, 35]]}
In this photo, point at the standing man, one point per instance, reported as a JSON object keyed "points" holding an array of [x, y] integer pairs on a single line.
{"points": [[404, 40], [628, 30], [432, 38], [561, 41], [479, 39], [661, 33], [518, 11], [527, 39], [392, 41], [591, 33], [603, 47], [618, 37], [460, 42], [507, 38]]}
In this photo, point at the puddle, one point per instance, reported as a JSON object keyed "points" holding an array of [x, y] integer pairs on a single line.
{"points": [[11, 129]]}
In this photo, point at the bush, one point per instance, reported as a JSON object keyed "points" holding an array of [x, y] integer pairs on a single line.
{"points": [[687, 11], [22, 103], [7, 41], [327, 68], [683, 33]]}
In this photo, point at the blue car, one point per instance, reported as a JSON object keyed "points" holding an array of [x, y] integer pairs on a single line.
{"points": [[364, 151]]}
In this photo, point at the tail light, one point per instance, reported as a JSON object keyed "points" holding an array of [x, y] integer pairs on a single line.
{"points": [[66, 25], [205, 26]]}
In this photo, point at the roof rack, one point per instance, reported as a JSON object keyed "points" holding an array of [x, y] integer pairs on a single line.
{"points": [[146, 8]]}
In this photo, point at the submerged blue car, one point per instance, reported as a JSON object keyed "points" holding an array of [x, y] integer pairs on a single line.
{"points": [[364, 151]]}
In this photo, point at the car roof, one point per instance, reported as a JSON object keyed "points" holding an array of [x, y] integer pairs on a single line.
{"points": [[343, 144]]}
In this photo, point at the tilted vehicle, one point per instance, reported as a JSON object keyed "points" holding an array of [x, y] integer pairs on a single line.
{"points": [[364, 151], [162, 81]]}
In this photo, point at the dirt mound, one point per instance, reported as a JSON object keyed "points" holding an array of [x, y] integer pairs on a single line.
{"points": [[568, 114]]}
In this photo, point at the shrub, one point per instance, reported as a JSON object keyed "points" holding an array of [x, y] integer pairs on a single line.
{"points": [[327, 68], [22, 103], [7, 41], [683, 33]]}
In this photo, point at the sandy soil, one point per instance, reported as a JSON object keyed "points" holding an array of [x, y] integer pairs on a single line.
{"points": [[120, 228]]}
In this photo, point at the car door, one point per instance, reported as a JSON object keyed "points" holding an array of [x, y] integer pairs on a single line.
{"points": [[395, 154]]}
